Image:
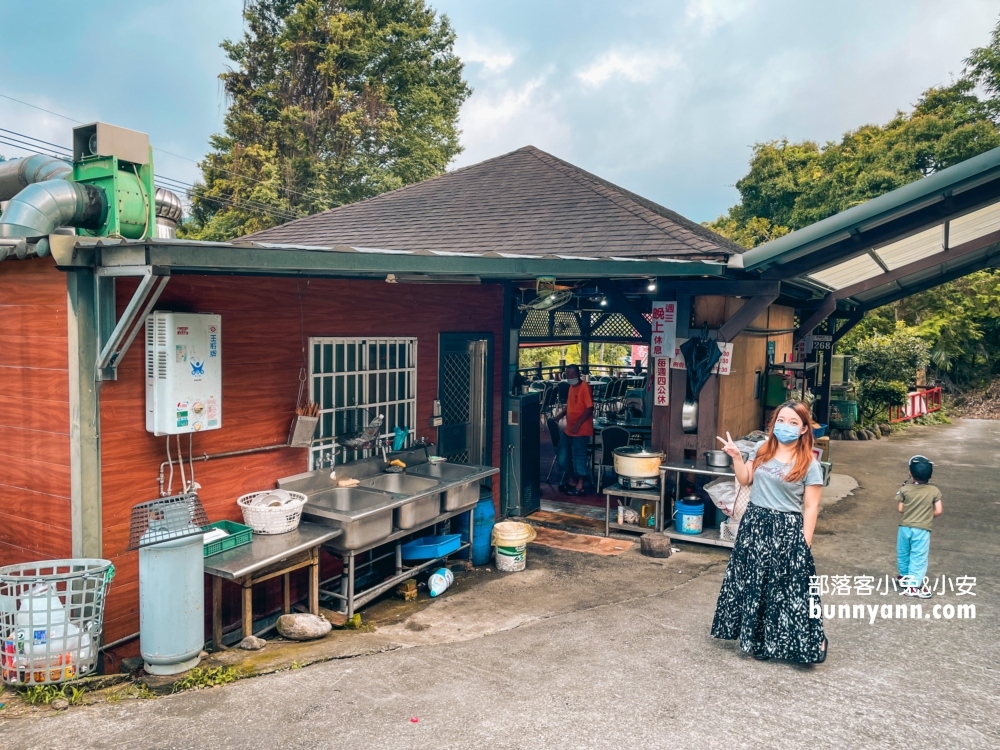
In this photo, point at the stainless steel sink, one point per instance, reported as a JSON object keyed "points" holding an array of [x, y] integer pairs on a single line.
{"points": [[400, 484], [364, 514], [456, 496], [422, 508]]}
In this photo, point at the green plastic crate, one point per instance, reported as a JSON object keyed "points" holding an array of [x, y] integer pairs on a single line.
{"points": [[843, 414], [238, 536]]}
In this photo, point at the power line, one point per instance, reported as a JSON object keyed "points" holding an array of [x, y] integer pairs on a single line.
{"points": [[160, 150], [55, 150]]}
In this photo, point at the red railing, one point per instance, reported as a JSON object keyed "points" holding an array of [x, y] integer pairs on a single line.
{"points": [[920, 402]]}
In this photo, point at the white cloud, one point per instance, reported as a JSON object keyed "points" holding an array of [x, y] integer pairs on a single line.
{"points": [[492, 59], [499, 118], [638, 67], [711, 14]]}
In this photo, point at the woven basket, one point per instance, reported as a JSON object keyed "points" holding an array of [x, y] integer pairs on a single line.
{"points": [[265, 519]]}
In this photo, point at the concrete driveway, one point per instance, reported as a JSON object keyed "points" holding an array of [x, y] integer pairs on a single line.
{"points": [[582, 651]]}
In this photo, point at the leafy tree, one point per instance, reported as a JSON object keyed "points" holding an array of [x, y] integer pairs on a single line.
{"points": [[330, 101], [791, 185], [875, 396], [890, 357]]}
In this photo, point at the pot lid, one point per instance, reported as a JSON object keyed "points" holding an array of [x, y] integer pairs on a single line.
{"points": [[634, 451]]}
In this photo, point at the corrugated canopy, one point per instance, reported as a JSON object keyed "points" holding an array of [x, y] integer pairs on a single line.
{"points": [[931, 231]]}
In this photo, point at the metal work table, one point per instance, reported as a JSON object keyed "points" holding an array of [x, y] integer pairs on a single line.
{"points": [[710, 536], [618, 491], [266, 557], [351, 599]]}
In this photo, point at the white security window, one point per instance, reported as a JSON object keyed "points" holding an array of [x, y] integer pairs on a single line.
{"points": [[354, 380]]}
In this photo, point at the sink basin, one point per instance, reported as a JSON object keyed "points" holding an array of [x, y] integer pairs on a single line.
{"points": [[348, 499], [400, 484], [365, 515], [418, 510], [444, 472], [457, 496]]}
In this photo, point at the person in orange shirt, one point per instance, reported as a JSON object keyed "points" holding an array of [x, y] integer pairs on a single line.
{"points": [[574, 447]]}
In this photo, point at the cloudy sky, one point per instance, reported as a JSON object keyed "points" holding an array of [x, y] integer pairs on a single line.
{"points": [[664, 97]]}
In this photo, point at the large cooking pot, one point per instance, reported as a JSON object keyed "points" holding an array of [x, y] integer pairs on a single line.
{"points": [[633, 461], [719, 459]]}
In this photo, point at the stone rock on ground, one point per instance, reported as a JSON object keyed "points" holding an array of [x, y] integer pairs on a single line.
{"points": [[885, 429], [60, 704], [834, 434], [860, 435], [874, 434], [252, 643], [303, 627], [655, 545], [850, 435]]}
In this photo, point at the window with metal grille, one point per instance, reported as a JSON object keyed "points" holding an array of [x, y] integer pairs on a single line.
{"points": [[354, 380]]}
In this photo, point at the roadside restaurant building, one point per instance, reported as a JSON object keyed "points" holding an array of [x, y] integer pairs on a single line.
{"points": [[415, 304]]}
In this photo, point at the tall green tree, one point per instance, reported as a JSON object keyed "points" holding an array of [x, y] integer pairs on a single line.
{"points": [[330, 101], [791, 185]]}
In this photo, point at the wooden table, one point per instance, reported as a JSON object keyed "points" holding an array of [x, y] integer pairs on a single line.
{"points": [[267, 557]]}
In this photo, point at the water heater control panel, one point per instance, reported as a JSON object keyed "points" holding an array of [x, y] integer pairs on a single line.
{"points": [[183, 372]]}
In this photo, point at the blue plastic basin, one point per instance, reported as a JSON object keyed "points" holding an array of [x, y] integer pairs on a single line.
{"points": [[429, 547]]}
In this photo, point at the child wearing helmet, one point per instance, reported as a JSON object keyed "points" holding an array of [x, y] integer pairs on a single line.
{"points": [[919, 503]]}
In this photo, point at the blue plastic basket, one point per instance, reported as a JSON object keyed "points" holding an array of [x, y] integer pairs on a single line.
{"points": [[430, 547], [820, 431]]}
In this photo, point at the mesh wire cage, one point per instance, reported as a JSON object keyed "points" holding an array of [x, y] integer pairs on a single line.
{"points": [[165, 519], [51, 619]]}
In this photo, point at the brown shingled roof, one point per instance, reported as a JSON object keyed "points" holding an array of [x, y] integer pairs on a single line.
{"points": [[525, 202]]}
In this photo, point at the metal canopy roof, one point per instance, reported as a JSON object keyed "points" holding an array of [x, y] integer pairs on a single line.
{"points": [[249, 258], [937, 229]]}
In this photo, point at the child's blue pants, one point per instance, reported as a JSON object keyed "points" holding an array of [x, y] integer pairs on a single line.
{"points": [[912, 549]]}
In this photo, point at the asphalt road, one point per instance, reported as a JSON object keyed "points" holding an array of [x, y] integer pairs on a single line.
{"points": [[582, 651]]}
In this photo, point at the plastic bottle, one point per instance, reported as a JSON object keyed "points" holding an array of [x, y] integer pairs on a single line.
{"points": [[439, 581]]}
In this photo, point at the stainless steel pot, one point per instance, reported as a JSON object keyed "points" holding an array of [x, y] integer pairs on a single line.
{"points": [[632, 461], [719, 459], [689, 416]]}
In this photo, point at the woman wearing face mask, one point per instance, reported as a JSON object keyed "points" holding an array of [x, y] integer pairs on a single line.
{"points": [[765, 602]]}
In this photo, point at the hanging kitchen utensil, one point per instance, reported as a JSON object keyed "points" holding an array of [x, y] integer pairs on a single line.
{"points": [[306, 417]]}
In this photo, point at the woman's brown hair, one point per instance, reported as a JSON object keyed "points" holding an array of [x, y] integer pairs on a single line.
{"points": [[803, 446]]}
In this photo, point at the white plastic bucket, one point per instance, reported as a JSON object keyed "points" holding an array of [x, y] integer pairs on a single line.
{"points": [[511, 539]]}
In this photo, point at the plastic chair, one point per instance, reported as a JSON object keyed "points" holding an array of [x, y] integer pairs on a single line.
{"points": [[556, 435], [611, 438]]}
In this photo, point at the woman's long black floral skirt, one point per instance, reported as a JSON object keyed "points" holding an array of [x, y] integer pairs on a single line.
{"points": [[764, 601]]}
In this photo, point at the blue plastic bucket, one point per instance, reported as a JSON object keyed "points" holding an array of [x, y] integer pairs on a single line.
{"points": [[688, 518]]}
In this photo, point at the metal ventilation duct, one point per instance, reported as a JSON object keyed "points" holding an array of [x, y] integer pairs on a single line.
{"points": [[36, 211], [168, 213]]}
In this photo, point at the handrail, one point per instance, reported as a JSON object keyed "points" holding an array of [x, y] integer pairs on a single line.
{"points": [[925, 400]]}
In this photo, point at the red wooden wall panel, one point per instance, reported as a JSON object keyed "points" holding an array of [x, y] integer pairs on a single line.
{"points": [[262, 330], [34, 412]]}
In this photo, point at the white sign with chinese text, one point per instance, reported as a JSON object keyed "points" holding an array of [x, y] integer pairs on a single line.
{"points": [[723, 367], [660, 381], [663, 326]]}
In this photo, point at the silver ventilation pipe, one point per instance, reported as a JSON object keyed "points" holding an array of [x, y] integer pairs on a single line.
{"points": [[43, 207], [17, 174], [33, 211], [168, 213]]}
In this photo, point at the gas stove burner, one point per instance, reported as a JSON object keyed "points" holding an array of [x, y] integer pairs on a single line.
{"points": [[639, 483]]}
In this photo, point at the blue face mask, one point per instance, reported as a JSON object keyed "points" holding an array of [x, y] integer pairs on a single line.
{"points": [[786, 433]]}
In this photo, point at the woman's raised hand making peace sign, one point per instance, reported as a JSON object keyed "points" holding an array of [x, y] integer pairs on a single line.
{"points": [[729, 446]]}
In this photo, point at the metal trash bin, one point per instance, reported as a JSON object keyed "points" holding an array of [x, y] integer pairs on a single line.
{"points": [[51, 619]]}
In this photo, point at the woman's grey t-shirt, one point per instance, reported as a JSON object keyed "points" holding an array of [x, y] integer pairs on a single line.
{"points": [[770, 490]]}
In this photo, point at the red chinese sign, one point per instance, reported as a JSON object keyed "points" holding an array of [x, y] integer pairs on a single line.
{"points": [[723, 367], [660, 380], [663, 329]]}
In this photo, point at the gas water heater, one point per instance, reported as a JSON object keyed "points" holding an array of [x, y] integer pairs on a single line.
{"points": [[183, 372]]}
